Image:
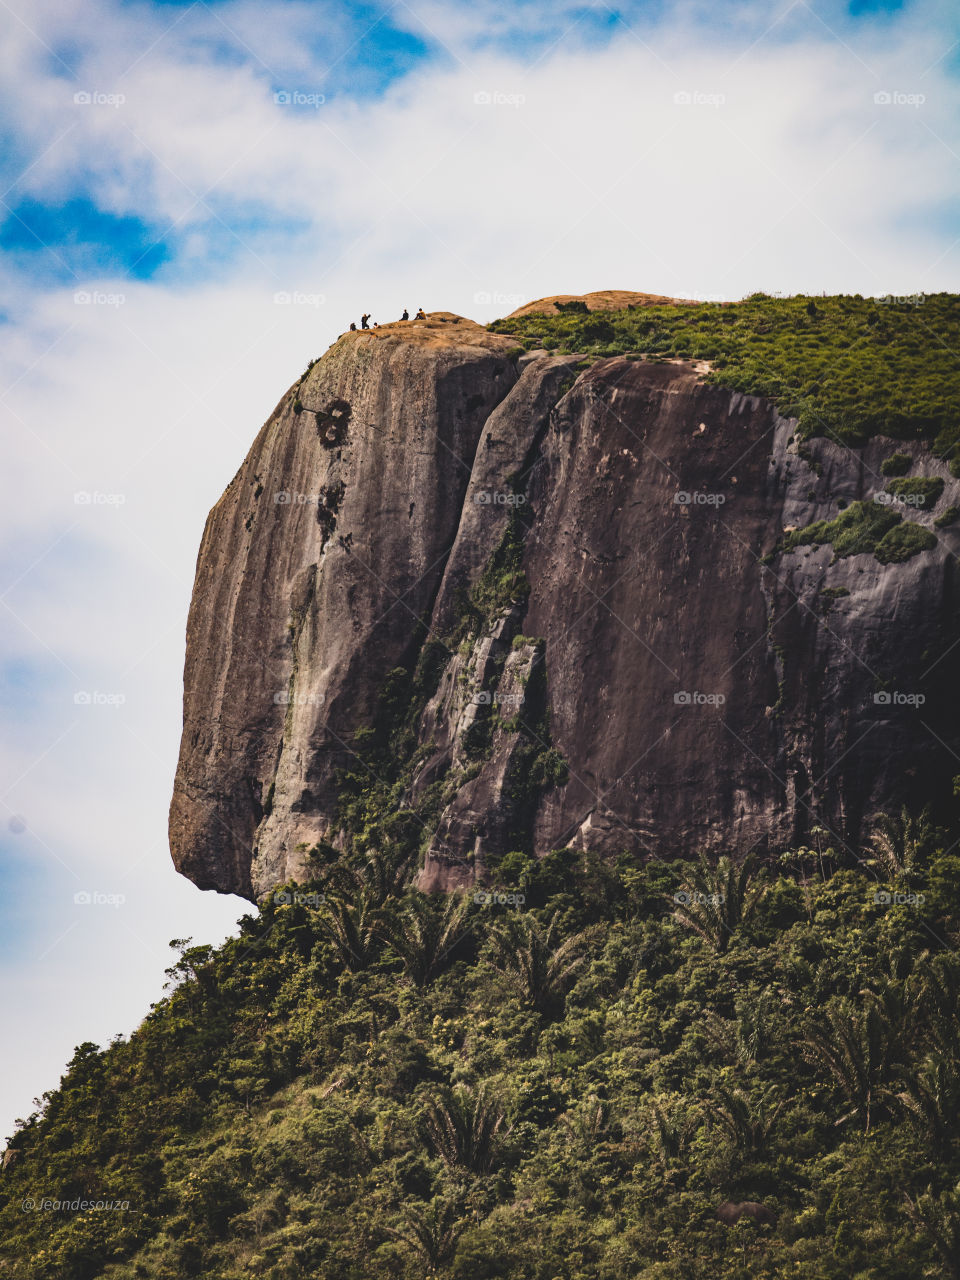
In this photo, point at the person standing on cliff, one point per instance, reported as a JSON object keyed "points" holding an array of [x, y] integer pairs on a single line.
{"points": [[363, 321]]}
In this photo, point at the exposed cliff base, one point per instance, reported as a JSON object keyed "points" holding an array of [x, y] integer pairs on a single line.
{"points": [[533, 601]]}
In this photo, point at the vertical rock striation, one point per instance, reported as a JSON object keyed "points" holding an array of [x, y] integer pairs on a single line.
{"points": [[644, 668]]}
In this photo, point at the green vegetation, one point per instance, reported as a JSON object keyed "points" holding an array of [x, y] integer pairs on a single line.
{"points": [[866, 527], [856, 530], [921, 492], [904, 541], [898, 464], [847, 367], [947, 517], [369, 1083], [829, 596]]}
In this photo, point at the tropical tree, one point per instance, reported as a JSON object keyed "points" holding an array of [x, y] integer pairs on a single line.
{"points": [[931, 1098], [462, 1125], [938, 1219], [349, 926], [384, 874], [747, 1120], [527, 954], [424, 932], [856, 1045], [900, 844], [744, 1038], [715, 900], [432, 1233], [938, 982]]}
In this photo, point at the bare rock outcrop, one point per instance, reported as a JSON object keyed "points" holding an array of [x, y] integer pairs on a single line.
{"points": [[644, 668]]}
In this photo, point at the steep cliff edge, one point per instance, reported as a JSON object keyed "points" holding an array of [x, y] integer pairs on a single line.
{"points": [[571, 583]]}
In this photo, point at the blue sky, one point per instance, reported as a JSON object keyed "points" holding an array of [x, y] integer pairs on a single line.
{"points": [[233, 184]]}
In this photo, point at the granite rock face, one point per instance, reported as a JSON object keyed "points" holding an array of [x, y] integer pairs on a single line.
{"points": [[703, 689]]}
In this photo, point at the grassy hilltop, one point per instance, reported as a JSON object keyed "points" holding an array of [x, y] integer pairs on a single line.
{"points": [[850, 367]]}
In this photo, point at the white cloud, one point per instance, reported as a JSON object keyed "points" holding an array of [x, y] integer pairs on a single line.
{"points": [[797, 180]]}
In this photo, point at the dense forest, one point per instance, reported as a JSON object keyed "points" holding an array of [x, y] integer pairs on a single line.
{"points": [[562, 1076]]}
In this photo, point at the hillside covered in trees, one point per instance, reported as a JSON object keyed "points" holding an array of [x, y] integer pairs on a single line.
{"points": [[563, 1076]]}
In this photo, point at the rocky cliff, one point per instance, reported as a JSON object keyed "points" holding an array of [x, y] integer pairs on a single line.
{"points": [[572, 579]]}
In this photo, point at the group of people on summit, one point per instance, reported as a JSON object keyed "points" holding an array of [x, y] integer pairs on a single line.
{"points": [[365, 320]]}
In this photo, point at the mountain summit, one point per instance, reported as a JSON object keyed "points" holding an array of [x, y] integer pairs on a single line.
{"points": [[514, 597]]}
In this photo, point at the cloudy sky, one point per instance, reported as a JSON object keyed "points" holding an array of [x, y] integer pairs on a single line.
{"points": [[198, 198]]}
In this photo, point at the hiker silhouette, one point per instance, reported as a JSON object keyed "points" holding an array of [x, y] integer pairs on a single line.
{"points": [[363, 321], [421, 314], [406, 314]]}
